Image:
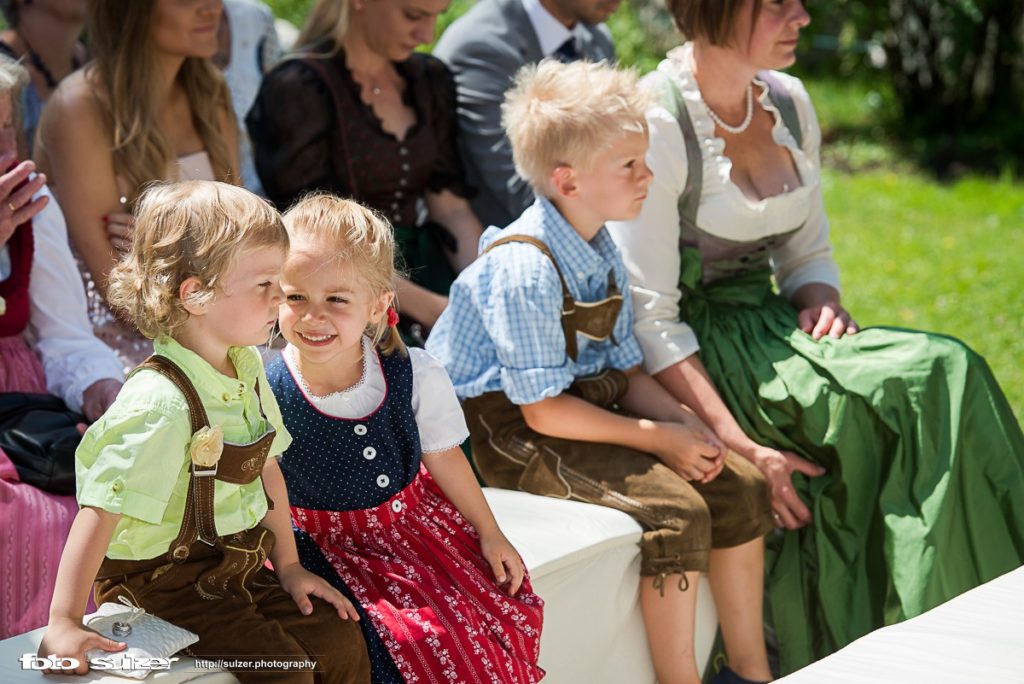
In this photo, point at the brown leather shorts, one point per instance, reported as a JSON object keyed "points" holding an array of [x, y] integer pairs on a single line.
{"points": [[682, 520], [236, 605]]}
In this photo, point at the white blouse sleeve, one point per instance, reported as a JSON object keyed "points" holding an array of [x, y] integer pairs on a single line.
{"points": [[807, 256], [650, 250], [439, 416], [59, 328]]}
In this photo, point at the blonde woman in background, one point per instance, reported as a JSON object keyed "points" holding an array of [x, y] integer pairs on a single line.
{"points": [[150, 106], [358, 113]]}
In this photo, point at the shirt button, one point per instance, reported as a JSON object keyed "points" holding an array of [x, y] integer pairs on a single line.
{"points": [[369, 453], [394, 205], [398, 194], [116, 487], [396, 217], [359, 429], [225, 397], [383, 481], [396, 506], [581, 275], [403, 150], [403, 182], [405, 167]]}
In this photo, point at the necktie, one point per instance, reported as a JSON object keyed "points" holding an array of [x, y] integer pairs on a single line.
{"points": [[567, 51]]}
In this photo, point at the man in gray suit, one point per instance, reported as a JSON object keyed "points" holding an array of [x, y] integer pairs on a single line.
{"points": [[485, 48]]}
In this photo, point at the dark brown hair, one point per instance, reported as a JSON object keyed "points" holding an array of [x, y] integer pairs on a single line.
{"points": [[709, 20]]}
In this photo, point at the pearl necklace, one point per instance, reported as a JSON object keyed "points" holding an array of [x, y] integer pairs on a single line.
{"points": [[735, 130]]}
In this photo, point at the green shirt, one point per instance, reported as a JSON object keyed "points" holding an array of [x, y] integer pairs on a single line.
{"points": [[135, 459]]}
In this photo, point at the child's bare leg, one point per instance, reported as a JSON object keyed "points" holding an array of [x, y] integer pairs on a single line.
{"points": [[737, 583], [669, 622]]}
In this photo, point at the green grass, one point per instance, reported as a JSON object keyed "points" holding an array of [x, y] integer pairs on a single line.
{"points": [[913, 252], [917, 254]]}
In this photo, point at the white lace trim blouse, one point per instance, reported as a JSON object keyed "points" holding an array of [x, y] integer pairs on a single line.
{"points": [[650, 243], [439, 416]]}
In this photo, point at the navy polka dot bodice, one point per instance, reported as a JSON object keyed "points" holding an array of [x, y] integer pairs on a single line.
{"points": [[345, 464]]}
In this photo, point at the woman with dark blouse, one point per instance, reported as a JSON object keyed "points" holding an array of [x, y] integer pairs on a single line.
{"points": [[356, 112]]}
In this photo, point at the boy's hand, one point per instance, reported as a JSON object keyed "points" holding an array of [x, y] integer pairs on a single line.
{"points": [[695, 453], [300, 584], [504, 561], [67, 638]]}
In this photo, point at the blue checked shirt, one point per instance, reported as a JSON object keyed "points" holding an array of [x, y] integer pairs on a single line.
{"points": [[502, 329]]}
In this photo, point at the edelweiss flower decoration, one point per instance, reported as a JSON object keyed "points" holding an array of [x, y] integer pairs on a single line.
{"points": [[206, 446]]}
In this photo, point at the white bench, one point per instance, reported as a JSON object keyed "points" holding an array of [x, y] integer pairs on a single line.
{"points": [[584, 561]]}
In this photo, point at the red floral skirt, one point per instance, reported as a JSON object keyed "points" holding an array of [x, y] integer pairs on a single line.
{"points": [[414, 563]]}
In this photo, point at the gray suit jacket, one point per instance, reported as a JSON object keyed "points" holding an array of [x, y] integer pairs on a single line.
{"points": [[484, 49]]}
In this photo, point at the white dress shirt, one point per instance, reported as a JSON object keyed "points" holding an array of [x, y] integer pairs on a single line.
{"points": [[58, 326], [650, 243], [551, 33]]}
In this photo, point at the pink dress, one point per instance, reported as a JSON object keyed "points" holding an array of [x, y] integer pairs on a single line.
{"points": [[33, 524]]}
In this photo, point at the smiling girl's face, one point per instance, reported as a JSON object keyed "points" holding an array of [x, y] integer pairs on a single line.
{"points": [[328, 306]]}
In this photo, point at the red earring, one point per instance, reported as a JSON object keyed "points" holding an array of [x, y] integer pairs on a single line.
{"points": [[392, 317]]}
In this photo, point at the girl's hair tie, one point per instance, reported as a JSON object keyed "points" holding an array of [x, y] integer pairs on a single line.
{"points": [[392, 317]]}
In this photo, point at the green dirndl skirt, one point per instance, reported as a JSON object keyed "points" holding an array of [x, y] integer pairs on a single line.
{"points": [[923, 497]]}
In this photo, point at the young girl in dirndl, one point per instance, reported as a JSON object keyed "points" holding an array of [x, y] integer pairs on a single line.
{"points": [[384, 503]]}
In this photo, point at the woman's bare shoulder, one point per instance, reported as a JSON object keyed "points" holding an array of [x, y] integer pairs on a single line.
{"points": [[77, 101]]}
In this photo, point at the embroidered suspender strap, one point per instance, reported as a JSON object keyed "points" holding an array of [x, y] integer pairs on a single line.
{"points": [[568, 303], [198, 517]]}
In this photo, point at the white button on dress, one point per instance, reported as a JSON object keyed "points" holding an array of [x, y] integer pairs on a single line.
{"points": [[359, 429], [396, 506], [383, 481], [369, 453]]}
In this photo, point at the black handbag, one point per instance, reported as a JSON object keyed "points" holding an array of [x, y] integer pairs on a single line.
{"points": [[39, 433]]}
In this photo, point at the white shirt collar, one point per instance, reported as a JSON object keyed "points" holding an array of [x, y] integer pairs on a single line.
{"points": [[551, 33]]}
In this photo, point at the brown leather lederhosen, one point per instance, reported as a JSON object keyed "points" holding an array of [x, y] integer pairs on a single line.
{"points": [[682, 520], [218, 586]]}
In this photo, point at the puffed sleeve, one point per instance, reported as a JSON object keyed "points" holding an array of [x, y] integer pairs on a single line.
{"points": [[292, 126], [130, 459], [650, 250], [439, 416], [807, 256], [448, 172]]}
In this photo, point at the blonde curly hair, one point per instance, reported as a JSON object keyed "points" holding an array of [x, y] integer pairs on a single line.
{"points": [[182, 230], [357, 235]]}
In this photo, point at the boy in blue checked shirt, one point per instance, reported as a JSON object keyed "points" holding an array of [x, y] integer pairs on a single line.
{"points": [[538, 340]]}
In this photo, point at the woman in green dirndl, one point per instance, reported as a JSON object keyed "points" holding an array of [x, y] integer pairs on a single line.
{"points": [[895, 462]]}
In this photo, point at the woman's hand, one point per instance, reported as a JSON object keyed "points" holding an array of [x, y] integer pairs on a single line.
{"points": [[504, 560], [826, 319], [98, 397], [67, 638], [694, 452], [120, 229], [301, 584], [778, 467], [16, 203]]}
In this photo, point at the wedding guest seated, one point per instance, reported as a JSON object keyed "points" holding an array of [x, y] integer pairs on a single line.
{"points": [[46, 346], [895, 462], [44, 36], [485, 48], [150, 106], [355, 111], [539, 344]]}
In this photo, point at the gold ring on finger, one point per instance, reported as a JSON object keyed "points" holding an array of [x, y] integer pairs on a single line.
{"points": [[12, 207]]}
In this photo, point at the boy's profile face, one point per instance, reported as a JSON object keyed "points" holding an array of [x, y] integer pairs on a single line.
{"points": [[615, 186], [244, 310]]}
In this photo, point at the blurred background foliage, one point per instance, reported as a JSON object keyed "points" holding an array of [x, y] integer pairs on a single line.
{"points": [[921, 104]]}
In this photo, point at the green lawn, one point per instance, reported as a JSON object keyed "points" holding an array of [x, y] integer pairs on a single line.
{"points": [[914, 252]]}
